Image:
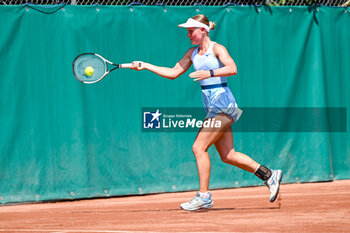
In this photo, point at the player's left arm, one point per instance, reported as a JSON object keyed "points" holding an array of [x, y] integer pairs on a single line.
{"points": [[229, 68]]}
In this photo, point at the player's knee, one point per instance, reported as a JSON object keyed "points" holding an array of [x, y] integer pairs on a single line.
{"points": [[225, 159], [229, 157], [198, 149]]}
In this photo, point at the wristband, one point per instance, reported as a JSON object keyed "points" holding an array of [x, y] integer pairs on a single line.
{"points": [[211, 73]]}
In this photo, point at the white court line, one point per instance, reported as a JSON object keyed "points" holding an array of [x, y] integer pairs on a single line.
{"points": [[119, 202], [65, 231], [95, 231]]}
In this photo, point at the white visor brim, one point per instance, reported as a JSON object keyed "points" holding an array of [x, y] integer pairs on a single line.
{"points": [[191, 23]]}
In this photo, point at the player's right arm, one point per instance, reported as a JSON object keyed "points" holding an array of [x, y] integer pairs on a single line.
{"points": [[170, 73]]}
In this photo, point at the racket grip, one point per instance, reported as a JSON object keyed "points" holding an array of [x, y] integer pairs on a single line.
{"points": [[125, 65]]}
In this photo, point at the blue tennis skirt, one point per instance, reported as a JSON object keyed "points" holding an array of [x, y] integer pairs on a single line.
{"points": [[220, 100]]}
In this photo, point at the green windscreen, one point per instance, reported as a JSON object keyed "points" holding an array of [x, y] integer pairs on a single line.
{"points": [[62, 139]]}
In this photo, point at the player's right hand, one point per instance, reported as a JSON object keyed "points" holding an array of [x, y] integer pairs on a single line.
{"points": [[137, 65]]}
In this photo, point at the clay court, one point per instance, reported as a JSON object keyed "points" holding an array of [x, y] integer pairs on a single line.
{"points": [[310, 207]]}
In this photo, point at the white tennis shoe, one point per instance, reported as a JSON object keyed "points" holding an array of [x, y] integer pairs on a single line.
{"points": [[198, 202], [273, 183]]}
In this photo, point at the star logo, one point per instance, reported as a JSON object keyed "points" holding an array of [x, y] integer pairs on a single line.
{"points": [[156, 115], [151, 120]]}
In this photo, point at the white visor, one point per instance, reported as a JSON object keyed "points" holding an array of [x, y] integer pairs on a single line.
{"points": [[191, 23]]}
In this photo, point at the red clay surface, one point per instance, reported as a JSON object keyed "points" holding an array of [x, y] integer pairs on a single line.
{"points": [[312, 207]]}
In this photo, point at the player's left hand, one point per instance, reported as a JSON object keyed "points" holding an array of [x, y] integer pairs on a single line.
{"points": [[200, 75]]}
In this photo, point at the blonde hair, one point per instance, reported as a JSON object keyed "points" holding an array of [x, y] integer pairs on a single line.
{"points": [[205, 20]]}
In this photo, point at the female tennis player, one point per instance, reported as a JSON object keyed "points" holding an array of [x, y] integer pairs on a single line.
{"points": [[212, 64]]}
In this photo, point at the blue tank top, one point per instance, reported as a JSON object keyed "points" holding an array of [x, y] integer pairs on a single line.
{"points": [[208, 61]]}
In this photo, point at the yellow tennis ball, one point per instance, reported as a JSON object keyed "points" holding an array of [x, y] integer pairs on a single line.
{"points": [[89, 71]]}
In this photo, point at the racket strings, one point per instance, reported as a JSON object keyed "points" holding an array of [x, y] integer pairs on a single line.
{"points": [[89, 60]]}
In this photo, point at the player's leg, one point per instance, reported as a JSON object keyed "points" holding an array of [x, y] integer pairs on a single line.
{"points": [[206, 137], [272, 178], [224, 145]]}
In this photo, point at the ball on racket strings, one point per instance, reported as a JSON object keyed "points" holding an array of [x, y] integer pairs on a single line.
{"points": [[89, 71]]}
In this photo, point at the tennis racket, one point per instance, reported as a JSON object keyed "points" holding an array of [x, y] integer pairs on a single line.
{"points": [[91, 67]]}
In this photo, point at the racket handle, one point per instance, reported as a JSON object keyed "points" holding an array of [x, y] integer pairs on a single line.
{"points": [[125, 65]]}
